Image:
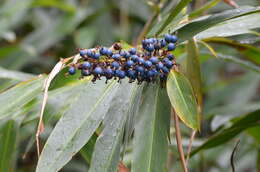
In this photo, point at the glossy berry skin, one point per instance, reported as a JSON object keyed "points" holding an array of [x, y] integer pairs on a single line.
{"points": [[154, 60], [129, 63], [116, 56], [82, 53], [174, 38], [86, 65], [72, 70], [163, 43], [165, 60], [96, 56], [109, 52], [120, 74], [159, 66], [150, 73], [98, 70], [115, 65], [134, 58], [140, 60], [131, 74], [165, 70], [132, 51], [171, 46], [150, 48], [123, 53], [157, 46], [148, 63], [85, 72], [103, 51], [139, 69], [108, 72], [127, 55], [167, 37], [89, 53], [170, 56], [169, 64]]}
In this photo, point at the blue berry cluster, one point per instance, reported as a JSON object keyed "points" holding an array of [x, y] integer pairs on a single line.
{"points": [[152, 60]]}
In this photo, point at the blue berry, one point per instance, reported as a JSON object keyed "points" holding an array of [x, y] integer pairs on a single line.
{"points": [[159, 65], [131, 74], [86, 65], [116, 56], [109, 52], [96, 56], [150, 73], [165, 60], [103, 51], [134, 58], [120, 74], [89, 53], [167, 37], [123, 53], [98, 70], [149, 41], [163, 43], [165, 70], [109, 71], [154, 60], [157, 46], [148, 63], [150, 48], [72, 70], [140, 60], [132, 51], [85, 72], [139, 69], [169, 64], [82, 53], [171, 46], [174, 38], [127, 55], [129, 63], [170, 56], [115, 65]]}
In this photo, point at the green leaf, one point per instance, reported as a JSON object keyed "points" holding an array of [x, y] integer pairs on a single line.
{"points": [[107, 149], [85, 37], [16, 75], [236, 26], [87, 150], [78, 124], [7, 145], [192, 69], [183, 99], [19, 95], [54, 3], [174, 12], [245, 122], [200, 24], [152, 125]]}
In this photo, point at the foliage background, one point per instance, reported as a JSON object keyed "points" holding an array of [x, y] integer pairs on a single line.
{"points": [[35, 34]]}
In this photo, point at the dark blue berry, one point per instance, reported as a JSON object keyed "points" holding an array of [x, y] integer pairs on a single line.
{"points": [[148, 63], [139, 69], [116, 56], [109, 52], [150, 73], [149, 41], [131, 74], [134, 58], [159, 65], [103, 51], [86, 65], [157, 46], [168, 64], [154, 60], [174, 38], [165, 60], [165, 70], [120, 74], [167, 37], [96, 56], [72, 70], [123, 53], [150, 47], [129, 63], [115, 65], [82, 53], [132, 51], [140, 60], [171, 46], [163, 43], [170, 56], [98, 70], [89, 53], [85, 72], [109, 71], [127, 55]]}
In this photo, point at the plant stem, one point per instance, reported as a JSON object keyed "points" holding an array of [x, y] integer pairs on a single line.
{"points": [[179, 141], [190, 146]]}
